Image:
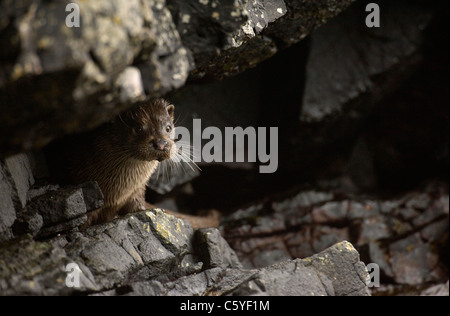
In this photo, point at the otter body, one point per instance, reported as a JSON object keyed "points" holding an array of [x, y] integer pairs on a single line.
{"points": [[121, 156]]}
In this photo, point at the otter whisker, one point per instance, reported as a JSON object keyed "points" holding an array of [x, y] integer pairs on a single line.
{"points": [[187, 150], [177, 163], [190, 161], [188, 165], [159, 169], [167, 173], [120, 117]]}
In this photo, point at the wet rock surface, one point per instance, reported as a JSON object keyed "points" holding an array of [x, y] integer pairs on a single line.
{"points": [[341, 99], [156, 46], [406, 237], [349, 78], [38, 207], [42, 251], [363, 127], [128, 257], [234, 36]]}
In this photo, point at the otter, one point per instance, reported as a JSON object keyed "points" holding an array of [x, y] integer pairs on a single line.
{"points": [[121, 156]]}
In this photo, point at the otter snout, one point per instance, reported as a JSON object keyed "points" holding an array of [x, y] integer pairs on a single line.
{"points": [[161, 144]]}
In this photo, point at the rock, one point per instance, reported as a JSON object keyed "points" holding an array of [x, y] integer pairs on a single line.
{"points": [[108, 260], [107, 255], [213, 250], [406, 237], [28, 222], [7, 208], [67, 225], [39, 190], [76, 78], [359, 122], [41, 209], [228, 38], [129, 257], [92, 195], [323, 134], [91, 63], [68, 202], [56, 210], [20, 170], [32, 268], [322, 274], [302, 200], [270, 255], [155, 253], [437, 290], [330, 212], [413, 262], [307, 277], [130, 83], [168, 66], [212, 282], [364, 57], [297, 280], [343, 256], [373, 229], [130, 249], [174, 233], [16, 178]]}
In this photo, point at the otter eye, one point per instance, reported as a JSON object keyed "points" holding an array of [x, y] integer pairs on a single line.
{"points": [[139, 130], [168, 128]]}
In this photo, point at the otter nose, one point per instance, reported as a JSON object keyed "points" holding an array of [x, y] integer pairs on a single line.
{"points": [[161, 144]]}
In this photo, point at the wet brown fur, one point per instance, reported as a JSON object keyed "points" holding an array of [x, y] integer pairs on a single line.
{"points": [[120, 157]]}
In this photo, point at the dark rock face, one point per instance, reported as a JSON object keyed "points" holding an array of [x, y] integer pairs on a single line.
{"points": [[15, 180], [141, 253], [214, 250], [229, 37], [362, 116], [41, 209], [94, 67], [346, 93], [146, 253], [78, 77], [406, 236], [358, 58]]}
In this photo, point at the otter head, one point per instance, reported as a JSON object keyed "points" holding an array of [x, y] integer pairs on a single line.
{"points": [[147, 132]]}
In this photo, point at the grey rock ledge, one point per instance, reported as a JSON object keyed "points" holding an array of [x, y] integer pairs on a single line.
{"points": [[153, 253]]}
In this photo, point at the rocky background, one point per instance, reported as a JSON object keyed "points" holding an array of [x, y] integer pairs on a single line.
{"points": [[363, 146]]}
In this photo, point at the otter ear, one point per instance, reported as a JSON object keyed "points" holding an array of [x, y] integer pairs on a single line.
{"points": [[170, 109]]}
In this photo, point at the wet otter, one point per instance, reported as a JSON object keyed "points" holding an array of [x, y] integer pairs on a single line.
{"points": [[121, 155]]}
